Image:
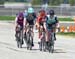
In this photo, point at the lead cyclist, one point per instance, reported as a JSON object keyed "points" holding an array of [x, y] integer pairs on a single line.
{"points": [[50, 25]]}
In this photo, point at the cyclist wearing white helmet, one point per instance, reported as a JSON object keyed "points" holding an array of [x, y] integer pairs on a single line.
{"points": [[25, 13]]}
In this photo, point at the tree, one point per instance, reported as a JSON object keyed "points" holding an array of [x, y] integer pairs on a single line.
{"points": [[72, 2], [53, 2], [36, 2], [1, 1], [45, 1]]}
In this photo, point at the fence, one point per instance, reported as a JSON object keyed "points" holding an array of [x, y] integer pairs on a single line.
{"points": [[60, 11]]}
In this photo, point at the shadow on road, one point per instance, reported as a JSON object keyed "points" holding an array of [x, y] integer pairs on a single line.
{"points": [[11, 47], [4, 43], [33, 49], [59, 51]]}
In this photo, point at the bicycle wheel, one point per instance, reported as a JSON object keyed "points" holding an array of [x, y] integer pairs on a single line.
{"points": [[28, 41], [52, 43], [52, 48], [17, 38], [19, 44], [25, 38], [40, 45]]}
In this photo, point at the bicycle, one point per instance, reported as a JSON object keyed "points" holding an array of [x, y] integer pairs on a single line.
{"points": [[29, 37], [50, 46], [42, 42], [19, 36], [51, 43]]}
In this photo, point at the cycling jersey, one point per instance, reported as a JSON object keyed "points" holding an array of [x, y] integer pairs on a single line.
{"points": [[40, 20], [20, 21], [50, 22], [31, 18]]}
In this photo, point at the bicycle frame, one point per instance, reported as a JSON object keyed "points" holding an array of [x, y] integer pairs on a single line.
{"points": [[51, 41], [29, 37], [19, 37]]}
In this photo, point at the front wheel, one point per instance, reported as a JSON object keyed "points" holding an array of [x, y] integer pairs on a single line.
{"points": [[40, 46], [52, 48], [19, 45]]}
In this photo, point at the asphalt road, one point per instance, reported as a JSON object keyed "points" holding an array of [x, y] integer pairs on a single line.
{"points": [[64, 46]]}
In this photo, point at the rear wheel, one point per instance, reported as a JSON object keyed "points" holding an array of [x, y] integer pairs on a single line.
{"points": [[52, 47], [19, 45], [40, 46], [27, 42]]}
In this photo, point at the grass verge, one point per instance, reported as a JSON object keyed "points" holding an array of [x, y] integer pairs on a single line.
{"points": [[71, 34], [2, 18], [65, 19], [13, 17]]}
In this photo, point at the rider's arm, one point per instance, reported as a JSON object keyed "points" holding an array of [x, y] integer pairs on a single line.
{"points": [[15, 21], [45, 23], [57, 23], [24, 22], [56, 19]]}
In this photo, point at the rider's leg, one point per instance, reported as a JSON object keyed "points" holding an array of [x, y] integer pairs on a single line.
{"points": [[22, 35], [54, 36], [32, 36], [54, 30], [40, 34], [25, 29], [46, 39]]}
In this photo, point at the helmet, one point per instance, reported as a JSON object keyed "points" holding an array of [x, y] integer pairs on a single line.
{"points": [[51, 12], [30, 10], [42, 13], [25, 11], [20, 14]]}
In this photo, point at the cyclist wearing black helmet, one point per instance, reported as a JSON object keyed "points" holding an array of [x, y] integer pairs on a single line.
{"points": [[50, 25]]}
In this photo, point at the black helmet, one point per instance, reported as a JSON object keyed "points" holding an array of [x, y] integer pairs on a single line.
{"points": [[51, 12]]}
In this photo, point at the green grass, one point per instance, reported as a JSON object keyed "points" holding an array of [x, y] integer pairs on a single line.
{"points": [[13, 17], [7, 17], [72, 34], [65, 19]]}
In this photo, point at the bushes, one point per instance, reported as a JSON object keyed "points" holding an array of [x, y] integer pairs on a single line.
{"points": [[53, 2], [36, 2], [2, 1]]}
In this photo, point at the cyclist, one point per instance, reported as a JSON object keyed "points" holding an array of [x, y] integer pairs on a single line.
{"points": [[19, 22], [51, 23], [25, 13], [40, 20], [30, 20]]}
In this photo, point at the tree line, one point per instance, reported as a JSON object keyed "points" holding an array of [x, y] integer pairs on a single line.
{"points": [[39, 2], [2, 1], [54, 2]]}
